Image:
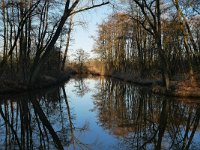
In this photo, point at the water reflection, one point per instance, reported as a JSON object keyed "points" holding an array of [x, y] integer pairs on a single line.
{"points": [[81, 86], [35, 121], [97, 114], [146, 121]]}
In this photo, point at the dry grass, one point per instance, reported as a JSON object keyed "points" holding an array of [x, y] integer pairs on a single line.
{"points": [[90, 67], [96, 67]]}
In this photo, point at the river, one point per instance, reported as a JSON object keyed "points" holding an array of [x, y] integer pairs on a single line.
{"points": [[98, 114]]}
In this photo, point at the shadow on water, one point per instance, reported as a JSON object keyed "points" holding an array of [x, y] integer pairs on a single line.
{"points": [[131, 116]]}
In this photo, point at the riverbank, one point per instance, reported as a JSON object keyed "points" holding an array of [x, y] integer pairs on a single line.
{"points": [[178, 88], [184, 88], [180, 85], [45, 81]]}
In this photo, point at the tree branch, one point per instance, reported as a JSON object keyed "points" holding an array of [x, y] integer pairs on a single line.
{"points": [[88, 8]]}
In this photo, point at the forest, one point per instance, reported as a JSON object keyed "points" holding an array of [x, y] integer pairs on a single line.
{"points": [[139, 89], [147, 40], [33, 33], [153, 39]]}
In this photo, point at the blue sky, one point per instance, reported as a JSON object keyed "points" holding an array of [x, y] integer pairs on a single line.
{"points": [[82, 35]]}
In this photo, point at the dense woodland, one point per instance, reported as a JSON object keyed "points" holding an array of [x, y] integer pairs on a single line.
{"points": [[151, 38], [33, 36], [145, 38]]}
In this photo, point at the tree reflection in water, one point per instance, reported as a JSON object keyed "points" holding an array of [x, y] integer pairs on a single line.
{"points": [[42, 121], [81, 86], [125, 114], [143, 120]]}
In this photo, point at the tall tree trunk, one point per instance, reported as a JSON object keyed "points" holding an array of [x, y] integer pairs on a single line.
{"points": [[185, 39], [5, 29], [67, 44], [163, 60], [184, 20], [37, 66]]}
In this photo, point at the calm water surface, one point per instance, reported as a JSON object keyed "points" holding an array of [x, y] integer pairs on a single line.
{"points": [[98, 114]]}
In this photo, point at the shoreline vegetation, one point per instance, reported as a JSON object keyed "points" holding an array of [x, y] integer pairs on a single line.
{"points": [[45, 81], [33, 48], [180, 85], [145, 44], [182, 89]]}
